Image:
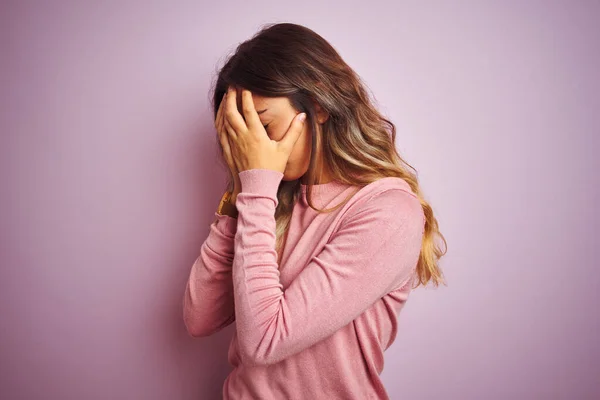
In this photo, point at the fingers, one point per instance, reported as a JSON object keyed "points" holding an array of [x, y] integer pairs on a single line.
{"points": [[228, 128], [250, 114], [219, 120], [232, 115], [293, 133], [224, 140], [222, 132]]}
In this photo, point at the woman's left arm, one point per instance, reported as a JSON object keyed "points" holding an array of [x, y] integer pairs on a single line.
{"points": [[374, 251]]}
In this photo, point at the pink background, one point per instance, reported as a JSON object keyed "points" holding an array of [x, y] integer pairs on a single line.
{"points": [[110, 181]]}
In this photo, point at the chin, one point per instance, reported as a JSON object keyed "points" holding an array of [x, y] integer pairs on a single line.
{"points": [[291, 175], [288, 178]]}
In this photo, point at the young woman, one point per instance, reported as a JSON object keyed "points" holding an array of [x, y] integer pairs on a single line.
{"points": [[322, 232]]}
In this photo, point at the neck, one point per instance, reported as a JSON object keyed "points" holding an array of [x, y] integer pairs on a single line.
{"points": [[323, 175], [321, 178]]}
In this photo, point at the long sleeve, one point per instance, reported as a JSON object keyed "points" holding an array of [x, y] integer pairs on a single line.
{"points": [[374, 251], [208, 299]]}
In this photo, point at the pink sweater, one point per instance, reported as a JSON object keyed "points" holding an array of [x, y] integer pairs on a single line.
{"points": [[317, 326]]}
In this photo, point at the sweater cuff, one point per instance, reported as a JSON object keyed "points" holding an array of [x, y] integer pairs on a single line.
{"points": [[259, 181]]}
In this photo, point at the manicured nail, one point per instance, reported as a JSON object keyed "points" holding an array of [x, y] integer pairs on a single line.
{"points": [[302, 117]]}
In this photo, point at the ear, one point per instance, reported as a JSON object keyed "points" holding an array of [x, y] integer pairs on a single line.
{"points": [[322, 115]]}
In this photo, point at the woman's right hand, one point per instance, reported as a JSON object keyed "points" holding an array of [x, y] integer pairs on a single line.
{"points": [[224, 140]]}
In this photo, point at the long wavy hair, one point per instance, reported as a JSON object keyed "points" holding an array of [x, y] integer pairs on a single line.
{"points": [[357, 142]]}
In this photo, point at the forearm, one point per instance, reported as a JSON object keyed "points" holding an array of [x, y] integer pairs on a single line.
{"points": [[375, 249], [208, 298]]}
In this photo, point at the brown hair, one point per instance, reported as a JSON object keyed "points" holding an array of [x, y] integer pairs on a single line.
{"points": [[357, 142]]}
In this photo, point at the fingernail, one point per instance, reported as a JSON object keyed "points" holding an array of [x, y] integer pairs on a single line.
{"points": [[302, 117]]}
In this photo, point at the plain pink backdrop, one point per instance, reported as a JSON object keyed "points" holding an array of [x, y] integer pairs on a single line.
{"points": [[110, 181]]}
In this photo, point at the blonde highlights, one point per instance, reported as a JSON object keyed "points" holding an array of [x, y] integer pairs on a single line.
{"points": [[356, 141]]}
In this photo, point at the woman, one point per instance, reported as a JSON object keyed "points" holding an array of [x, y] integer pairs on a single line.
{"points": [[328, 226]]}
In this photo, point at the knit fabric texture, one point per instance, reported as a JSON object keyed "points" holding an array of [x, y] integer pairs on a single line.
{"points": [[316, 325]]}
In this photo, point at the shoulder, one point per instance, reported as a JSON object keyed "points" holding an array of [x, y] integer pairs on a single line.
{"points": [[390, 199], [385, 190], [385, 184]]}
